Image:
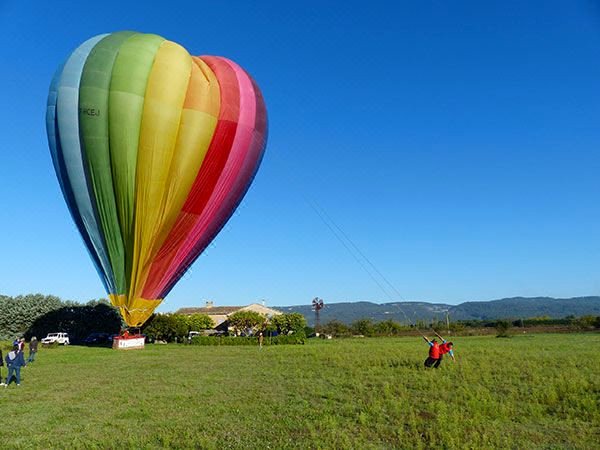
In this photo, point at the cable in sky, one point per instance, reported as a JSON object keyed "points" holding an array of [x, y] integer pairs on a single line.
{"points": [[355, 251]]}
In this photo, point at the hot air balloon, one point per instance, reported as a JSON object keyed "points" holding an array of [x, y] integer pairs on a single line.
{"points": [[153, 150]]}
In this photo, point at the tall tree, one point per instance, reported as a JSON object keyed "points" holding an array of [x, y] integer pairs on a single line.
{"points": [[246, 321]]}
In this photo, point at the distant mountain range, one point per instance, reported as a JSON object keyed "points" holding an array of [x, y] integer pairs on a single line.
{"points": [[408, 312]]}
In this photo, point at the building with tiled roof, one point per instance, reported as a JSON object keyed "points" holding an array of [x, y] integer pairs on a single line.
{"points": [[220, 314]]}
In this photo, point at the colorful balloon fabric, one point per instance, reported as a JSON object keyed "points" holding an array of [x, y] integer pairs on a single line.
{"points": [[153, 149]]}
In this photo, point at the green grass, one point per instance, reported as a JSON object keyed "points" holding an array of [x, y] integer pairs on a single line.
{"points": [[540, 391]]}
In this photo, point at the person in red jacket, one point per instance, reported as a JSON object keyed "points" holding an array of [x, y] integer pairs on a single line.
{"points": [[433, 360], [437, 351], [445, 348]]}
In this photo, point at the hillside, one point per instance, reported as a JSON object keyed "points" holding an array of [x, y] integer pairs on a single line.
{"points": [[408, 312]]}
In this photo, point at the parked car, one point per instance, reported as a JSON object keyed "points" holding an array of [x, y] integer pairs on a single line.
{"points": [[61, 338], [98, 339], [191, 335]]}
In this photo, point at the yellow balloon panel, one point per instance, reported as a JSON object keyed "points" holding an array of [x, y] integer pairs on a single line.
{"points": [[163, 107], [196, 129]]}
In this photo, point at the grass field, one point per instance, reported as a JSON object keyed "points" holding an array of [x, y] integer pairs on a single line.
{"points": [[533, 391]]}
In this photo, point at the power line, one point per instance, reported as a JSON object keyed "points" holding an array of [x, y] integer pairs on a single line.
{"points": [[348, 243], [353, 249]]}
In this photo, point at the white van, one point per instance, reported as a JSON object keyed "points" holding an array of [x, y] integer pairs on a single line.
{"points": [[61, 338]]}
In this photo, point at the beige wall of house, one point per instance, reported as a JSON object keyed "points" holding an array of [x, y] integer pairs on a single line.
{"points": [[218, 319]]}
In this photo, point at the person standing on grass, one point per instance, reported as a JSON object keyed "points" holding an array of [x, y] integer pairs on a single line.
{"points": [[1, 366], [33, 348], [445, 348], [14, 362], [260, 339], [433, 360]]}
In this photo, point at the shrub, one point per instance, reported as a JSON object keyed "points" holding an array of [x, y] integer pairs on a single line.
{"points": [[166, 327], [287, 339], [285, 323], [363, 327], [243, 321], [502, 328], [224, 340], [282, 339], [309, 331], [389, 328], [586, 322], [336, 328]]}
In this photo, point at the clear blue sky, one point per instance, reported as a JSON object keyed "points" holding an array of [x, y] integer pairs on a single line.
{"points": [[456, 143]]}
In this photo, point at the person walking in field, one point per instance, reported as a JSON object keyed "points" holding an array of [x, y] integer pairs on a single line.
{"points": [[14, 362], [260, 339], [33, 348]]}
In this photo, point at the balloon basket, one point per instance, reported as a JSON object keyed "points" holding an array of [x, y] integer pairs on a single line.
{"points": [[131, 342]]}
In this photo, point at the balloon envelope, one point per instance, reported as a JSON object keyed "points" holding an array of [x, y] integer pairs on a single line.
{"points": [[153, 150]]}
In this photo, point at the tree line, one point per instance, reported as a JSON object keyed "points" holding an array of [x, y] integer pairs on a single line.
{"points": [[38, 314], [371, 328], [175, 327]]}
